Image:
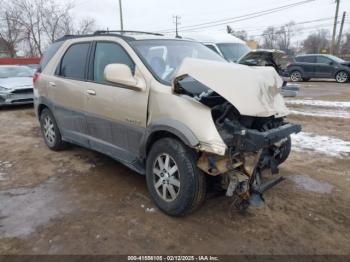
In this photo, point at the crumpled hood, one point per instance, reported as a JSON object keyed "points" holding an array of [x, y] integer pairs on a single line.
{"points": [[13, 83], [253, 91]]}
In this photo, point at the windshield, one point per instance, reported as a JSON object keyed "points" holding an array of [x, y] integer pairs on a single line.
{"points": [[163, 57], [233, 51], [336, 59], [15, 71]]}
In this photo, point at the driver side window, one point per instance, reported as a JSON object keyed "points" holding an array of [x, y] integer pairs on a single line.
{"points": [[109, 53]]}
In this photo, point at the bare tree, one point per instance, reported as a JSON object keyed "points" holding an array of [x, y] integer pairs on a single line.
{"points": [[269, 38], [10, 29], [315, 42], [345, 46], [34, 24], [284, 36], [241, 34], [86, 26], [54, 18]]}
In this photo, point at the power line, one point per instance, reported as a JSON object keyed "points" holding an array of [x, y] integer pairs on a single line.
{"points": [[321, 26], [238, 18], [295, 23]]}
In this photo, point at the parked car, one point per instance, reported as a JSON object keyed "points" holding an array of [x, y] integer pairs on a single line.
{"points": [[235, 50], [228, 46], [277, 59], [16, 86], [165, 108], [319, 66]]}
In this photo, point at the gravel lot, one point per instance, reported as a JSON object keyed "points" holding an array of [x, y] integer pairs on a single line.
{"points": [[81, 202]]}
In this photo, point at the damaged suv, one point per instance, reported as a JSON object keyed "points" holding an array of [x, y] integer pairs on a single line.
{"points": [[171, 109]]}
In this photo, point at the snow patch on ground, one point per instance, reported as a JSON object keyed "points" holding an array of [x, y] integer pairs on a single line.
{"points": [[309, 184], [320, 144], [322, 113], [318, 103]]}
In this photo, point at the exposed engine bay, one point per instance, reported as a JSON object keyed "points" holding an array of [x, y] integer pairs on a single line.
{"points": [[256, 145]]}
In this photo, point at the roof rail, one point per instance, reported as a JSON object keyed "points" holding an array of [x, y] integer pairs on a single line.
{"points": [[100, 32]]}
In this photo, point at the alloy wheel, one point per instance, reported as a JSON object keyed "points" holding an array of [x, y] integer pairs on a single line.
{"points": [[166, 177], [295, 76], [342, 77], [49, 130]]}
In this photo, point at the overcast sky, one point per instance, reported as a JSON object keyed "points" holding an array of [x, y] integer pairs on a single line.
{"points": [[156, 15]]}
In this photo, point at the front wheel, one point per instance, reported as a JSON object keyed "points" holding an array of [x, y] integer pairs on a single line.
{"points": [[174, 182], [342, 77]]}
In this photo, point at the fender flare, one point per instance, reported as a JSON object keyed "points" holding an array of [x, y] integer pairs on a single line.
{"points": [[174, 127], [43, 101]]}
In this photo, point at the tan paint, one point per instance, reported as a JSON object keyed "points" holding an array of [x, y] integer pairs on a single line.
{"points": [[164, 104], [254, 91]]}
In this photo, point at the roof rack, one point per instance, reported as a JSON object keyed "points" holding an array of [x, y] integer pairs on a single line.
{"points": [[100, 32]]}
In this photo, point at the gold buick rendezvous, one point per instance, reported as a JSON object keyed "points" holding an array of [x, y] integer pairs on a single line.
{"points": [[170, 109]]}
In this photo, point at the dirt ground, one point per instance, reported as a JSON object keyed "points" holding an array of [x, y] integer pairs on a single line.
{"points": [[82, 202]]}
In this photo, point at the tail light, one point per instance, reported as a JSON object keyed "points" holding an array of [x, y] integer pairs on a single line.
{"points": [[36, 76]]}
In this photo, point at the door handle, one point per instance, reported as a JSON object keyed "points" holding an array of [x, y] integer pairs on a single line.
{"points": [[91, 92], [52, 84]]}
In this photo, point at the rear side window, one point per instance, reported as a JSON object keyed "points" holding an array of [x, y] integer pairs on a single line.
{"points": [[49, 53], [323, 60], [109, 53], [73, 63], [306, 59]]}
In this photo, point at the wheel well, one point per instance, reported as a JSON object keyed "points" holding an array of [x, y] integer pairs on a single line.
{"points": [[41, 107], [155, 136], [341, 70]]}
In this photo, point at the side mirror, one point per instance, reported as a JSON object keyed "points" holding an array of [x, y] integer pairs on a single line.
{"points": [[331, 63], [121, 75]]}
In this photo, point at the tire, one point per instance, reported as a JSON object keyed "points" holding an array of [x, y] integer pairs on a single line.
{"points": [[188, 183], [305, 79], [342, 77], [296, 76], [50, 131], [285, 151]]}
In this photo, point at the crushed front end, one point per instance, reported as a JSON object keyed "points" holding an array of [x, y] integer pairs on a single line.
{"points": [[256, 147], [250, 119]]}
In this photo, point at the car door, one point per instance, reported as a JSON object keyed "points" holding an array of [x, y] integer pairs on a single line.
{"points": [[116, 116], [324, 67], [67, 91], [308, 65]]}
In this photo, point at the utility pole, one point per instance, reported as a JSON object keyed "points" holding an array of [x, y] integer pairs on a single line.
{"points": [[340, 32], [121, 15], [177, 23], [335, 26]]}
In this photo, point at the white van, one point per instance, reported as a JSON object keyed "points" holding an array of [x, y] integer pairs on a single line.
{"points": [[228, 46]]}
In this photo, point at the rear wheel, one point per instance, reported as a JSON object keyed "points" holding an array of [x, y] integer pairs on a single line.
{"points": [[174, 182], [50, 131], [296, 76], [342, 77]]}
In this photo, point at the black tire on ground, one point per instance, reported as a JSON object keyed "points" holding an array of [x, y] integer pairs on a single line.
{"points": [[296, 76], [342, 77], [285, 151], [52, 137], [305, 79], [191, 191]]}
